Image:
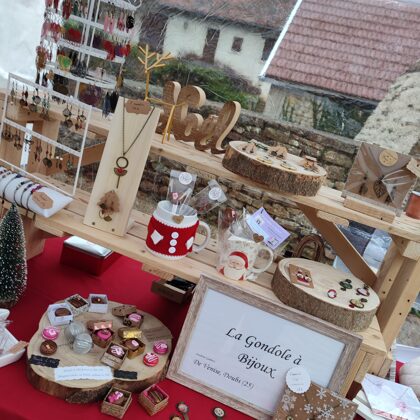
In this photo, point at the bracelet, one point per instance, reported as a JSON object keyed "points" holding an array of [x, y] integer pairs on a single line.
{"points": [[5, 187], [20, 185], [24, 191], [38, 187]]}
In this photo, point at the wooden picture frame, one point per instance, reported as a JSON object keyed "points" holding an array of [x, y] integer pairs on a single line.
{"points": [[207, 343]]}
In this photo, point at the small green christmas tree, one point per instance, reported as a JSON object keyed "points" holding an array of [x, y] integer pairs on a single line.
{"points": [[13, 269]]}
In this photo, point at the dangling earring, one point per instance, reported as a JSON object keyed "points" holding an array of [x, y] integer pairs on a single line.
{"points": [[363, 188], [379, 188]]}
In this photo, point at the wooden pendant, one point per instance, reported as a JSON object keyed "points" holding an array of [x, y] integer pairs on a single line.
{"points": [[379, 188]]}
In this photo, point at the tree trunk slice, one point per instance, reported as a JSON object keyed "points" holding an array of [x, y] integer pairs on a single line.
{"points": [[86, 391], [297, 181], [316, 301]]}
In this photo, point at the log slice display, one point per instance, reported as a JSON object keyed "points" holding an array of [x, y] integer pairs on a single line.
{"points": [[315, 301], [281, 174], [86, 391]]}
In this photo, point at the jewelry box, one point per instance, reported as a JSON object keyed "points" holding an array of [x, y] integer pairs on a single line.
{"points": [[98, 303], [116, 409], [114, 355], [54, 316], [77, 304]]}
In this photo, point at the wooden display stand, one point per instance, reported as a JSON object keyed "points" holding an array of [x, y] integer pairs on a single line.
{"points": [[324, 211], [315, 301], [143, 122], [84, 391]]}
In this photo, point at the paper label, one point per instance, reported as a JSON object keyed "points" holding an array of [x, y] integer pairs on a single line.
{"points": [[388, 157], [43, 361], [136, 106], [185, 178], [298, 379], [96, 373], [215, 193], [157, 333], [414, 167], [42, 200], [263, 224]]}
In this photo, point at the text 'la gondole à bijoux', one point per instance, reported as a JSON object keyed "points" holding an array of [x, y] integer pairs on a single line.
{"points": [[251, 362]]}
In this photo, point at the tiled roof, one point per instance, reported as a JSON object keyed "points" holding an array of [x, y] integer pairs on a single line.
{"points": [[265, 13], [354, 47]]}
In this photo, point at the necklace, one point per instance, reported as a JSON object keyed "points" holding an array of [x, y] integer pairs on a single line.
{"points": [[121, 164]]}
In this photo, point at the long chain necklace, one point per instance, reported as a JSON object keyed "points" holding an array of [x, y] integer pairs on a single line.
{"points": [[121, 164]]}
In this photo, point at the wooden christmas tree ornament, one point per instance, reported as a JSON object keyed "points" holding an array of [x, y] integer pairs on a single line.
{"points": [[336, 297], [274, 167]]}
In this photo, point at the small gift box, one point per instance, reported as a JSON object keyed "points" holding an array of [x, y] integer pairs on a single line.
{"points": [[60, 314], [116, 402], [98, 303], [87, 256], [316, 402], [95, 325], [102, 337], [114, 355], [77, 304], [123, 310], [153, 399], [135, 319], [135, 347], [177, 290], [129, 332]]}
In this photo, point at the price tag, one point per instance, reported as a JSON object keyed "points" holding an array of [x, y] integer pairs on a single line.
{"points": [[42, 200], [215, 193], [137, 107], [298, 380], [414, 167]]}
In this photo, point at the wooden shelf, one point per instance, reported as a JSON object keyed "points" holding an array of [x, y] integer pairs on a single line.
{"points": [[70, 221]]}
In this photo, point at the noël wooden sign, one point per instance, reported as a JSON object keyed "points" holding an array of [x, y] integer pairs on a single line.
{"points": [[207, 134]]}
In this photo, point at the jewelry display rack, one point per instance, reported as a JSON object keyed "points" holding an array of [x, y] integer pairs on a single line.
{"points": [[14, 116], [86, 48]]}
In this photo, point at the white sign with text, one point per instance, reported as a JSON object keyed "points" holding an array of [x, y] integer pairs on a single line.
{"points": [[246, 352]]}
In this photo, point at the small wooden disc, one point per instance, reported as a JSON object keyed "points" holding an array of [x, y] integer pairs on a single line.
{"points": [[388, 157], [320, 301], [286, 174]]}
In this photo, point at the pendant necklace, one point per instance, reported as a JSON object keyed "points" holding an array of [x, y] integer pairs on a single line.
{"points": [[121, 164]]}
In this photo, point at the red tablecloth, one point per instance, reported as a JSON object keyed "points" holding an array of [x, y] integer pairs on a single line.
{"points": [[124, 282]]}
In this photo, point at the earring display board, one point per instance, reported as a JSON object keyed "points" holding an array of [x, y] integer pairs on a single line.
{"points": [[334, 296], [240, 356], [380, 177], [276, 168], [122, 165], [29, 103], [137, 377]]}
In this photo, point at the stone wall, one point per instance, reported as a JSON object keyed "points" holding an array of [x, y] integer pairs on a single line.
{"points": [[334, 153]]}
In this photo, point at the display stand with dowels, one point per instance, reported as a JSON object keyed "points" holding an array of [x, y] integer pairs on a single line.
{"points": [[324, 211], [84, 391]]}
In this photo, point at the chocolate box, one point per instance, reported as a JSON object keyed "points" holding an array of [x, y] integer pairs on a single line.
{"points": [[134, 353], [99, 308], [101, 343], [147, 402], [100, 324], [123, 310], [132, 323], [59, 320], [129, 332], [162, 288], [77, 304], [87, 256], [116, 410], [112, 360]]}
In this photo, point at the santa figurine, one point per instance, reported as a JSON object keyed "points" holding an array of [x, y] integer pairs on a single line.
{"points": [[236, 266]]}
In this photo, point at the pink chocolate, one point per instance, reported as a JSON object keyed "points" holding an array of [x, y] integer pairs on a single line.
{"points": [[103, 334], [160, 347], [50, 333], [151, 359], [134, 317]]}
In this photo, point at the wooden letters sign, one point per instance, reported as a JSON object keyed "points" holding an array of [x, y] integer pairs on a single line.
{"points": [[192, 127]]}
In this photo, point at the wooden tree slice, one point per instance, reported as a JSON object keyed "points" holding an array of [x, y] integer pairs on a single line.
{"points": [[281, 174], [315, 301], [86, 391]]}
